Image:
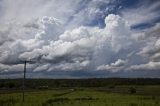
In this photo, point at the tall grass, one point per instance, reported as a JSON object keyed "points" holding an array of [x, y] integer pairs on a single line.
{"points": [[79, 97]]}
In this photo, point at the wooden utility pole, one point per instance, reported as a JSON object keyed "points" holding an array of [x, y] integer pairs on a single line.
{"points": [[24, 77]]}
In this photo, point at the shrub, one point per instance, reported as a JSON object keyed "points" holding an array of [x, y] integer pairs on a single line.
{"points": [[10, 85], [1, 85], [132, 90], [111, 86]]}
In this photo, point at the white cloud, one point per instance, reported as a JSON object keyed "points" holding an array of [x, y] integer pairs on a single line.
{"points": [[73, 47], [76, 66], [25, 10], [119, 31], [152, 48], [148, 66], [119, 65], [43, 67], [144, 13], [15, 68], [59, 41]]}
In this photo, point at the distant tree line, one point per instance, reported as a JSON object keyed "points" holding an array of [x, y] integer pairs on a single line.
{"points": [[94, 82]]}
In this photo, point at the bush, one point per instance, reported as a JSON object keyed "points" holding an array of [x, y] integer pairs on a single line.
{"points": [[132, 90], [1, 85], [10, 85], [111, 86]]}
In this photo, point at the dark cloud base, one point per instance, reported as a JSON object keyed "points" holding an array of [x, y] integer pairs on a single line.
{"points": [[83, 74]]}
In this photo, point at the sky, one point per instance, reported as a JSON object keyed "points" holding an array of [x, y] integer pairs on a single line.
{"points": [[80, 38]]}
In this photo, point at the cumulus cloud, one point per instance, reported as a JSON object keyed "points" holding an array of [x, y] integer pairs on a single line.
{"points": [[25, 10], [119, 65], [148, 66], [15, 68], [61, 41], [4, 38], [75, 48], [152, 48], [144, 12], [92, 11], [76, 66]]}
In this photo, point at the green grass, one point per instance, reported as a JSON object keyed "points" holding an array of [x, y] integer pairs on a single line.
{"points": [[118, 96]]}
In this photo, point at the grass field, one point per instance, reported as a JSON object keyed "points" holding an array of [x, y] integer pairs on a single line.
{"points": [[106, 96]]}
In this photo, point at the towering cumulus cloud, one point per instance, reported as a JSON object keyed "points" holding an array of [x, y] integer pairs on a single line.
{"points": [[75, 49], [82, 37]]}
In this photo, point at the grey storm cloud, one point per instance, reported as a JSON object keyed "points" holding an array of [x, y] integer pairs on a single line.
{"points": [[55, 38]]}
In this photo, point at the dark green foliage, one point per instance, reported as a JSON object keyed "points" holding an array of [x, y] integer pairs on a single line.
{"points": [[2, 85], [11, 85], [133, 104], [8, 102], [56, 100], [66, 100], [95, 82], [85, 99], [132, 90], [111, 86]]}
